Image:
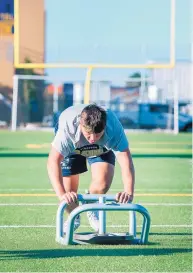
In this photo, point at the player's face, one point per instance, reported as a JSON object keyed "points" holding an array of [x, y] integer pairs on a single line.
{"points": [[90, 136]]}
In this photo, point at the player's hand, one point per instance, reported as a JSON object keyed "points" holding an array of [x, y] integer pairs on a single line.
{"points": [[124, 197], [69, 197]]}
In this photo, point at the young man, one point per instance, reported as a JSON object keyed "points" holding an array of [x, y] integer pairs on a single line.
{"points": [[94, 134]]}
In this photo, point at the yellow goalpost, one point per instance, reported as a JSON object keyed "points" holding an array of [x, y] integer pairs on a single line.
{"points": [[91, 66]]}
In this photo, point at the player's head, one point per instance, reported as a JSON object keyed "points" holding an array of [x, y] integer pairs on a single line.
{"points": [[93, 122]]}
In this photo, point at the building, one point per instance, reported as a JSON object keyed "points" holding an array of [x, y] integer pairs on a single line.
{"points": [[31, 43], [32, 37], [179, 77]]}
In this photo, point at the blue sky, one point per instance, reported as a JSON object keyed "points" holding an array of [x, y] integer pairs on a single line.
{"points": [[113, 31]]}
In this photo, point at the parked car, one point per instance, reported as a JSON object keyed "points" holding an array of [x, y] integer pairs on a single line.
{"points": [[158, 115], [153, 116]]}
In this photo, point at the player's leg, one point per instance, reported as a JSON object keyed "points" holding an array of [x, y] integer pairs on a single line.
{"points": [[102, 176], [71, 167], [102, 169], [71, 184]]}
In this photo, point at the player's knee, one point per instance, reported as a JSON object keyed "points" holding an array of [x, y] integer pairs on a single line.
{"points": [[100, 186]]}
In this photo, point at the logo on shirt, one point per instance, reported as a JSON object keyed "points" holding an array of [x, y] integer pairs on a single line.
{"points": [[91, 150], [65, 164]]}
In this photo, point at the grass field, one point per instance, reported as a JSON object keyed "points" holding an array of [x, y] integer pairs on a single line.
{"points": [[27, 221]]}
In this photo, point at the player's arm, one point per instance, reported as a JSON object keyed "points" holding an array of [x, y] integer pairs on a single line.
{"points": [[55, 175], [54, 172], [128, 176], [120, 146], [61, 147]]}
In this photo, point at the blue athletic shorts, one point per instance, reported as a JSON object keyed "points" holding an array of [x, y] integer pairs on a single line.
{"points": [[77, 164]]}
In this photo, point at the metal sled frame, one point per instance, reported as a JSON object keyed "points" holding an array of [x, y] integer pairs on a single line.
{"points": [[101, 237]]}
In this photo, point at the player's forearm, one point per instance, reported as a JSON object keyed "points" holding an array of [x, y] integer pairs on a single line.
{"points": [[128, 171], [128, 177], [54, 173]]}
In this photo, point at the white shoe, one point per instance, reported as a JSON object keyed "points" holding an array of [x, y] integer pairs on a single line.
{"points": [[76, 224], [93, 217]]}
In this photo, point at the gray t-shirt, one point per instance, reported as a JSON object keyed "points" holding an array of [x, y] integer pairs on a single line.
{"points": [[69, 139]]}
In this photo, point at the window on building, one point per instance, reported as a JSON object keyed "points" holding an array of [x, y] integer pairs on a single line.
{"points": [[8, 8]]}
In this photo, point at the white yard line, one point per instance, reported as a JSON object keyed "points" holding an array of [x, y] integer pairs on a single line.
{"points": [[158, 190], [55, 204], [27, 204], [87, 226], [25, 190], [111, 190], [145, 189]]}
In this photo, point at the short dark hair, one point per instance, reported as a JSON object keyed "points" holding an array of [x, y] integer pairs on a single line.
{"points": [[94, 118]]}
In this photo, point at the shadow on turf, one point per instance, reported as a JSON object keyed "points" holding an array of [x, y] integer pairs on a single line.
{"points": [[62, 253], [133, 155]]}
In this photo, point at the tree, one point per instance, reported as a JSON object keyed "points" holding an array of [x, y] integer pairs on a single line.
{"points": [[138, 82], [134, 84]]}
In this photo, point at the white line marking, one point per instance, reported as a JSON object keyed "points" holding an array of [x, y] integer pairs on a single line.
{"points": [[87, 226], [55, 204], [28, 190], [159, 190], [111, 190], [166, 204], [54, 195], [28, 204]]}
